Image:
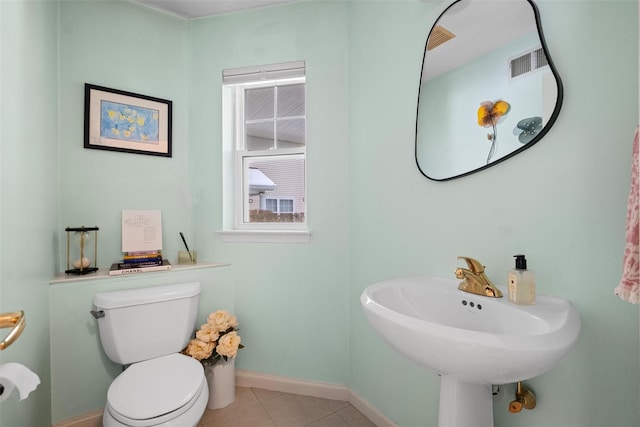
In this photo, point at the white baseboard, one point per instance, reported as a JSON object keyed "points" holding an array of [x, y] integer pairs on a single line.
{"points": [[369, 411], [291, 385], [276, 383], [312, 388], [90, 419]]}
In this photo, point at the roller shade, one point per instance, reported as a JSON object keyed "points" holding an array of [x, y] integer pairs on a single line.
{"points": [[284, 70]]}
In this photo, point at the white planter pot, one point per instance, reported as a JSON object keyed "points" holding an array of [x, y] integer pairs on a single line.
{"points": [[221, 378]]}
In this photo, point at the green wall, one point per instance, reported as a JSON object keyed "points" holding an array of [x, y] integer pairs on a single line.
{"points": [[371, 213], [28, 191], [562, 202], [291, 298], [125, 46]]}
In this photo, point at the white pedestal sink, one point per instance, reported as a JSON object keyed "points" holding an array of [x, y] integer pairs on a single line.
{"points": [[472, 341]]}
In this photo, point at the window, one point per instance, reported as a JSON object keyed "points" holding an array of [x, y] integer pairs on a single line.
{"points": [[264, 115], [279, 205], [285, 205]]}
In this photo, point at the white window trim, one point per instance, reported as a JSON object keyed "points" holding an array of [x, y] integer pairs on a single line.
{"points": [[234, 229], [265, 236]]}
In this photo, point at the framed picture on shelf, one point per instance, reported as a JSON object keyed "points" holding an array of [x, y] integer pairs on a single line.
{"points": [[116, 120]]}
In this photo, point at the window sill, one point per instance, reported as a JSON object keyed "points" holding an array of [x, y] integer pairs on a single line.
{"points": [[265, 236]]}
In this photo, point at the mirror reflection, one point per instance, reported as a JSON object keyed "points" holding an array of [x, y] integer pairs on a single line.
{"points": [[488, 87]]}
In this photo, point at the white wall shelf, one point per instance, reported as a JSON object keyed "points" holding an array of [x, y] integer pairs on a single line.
{"points": [[103, 273]]}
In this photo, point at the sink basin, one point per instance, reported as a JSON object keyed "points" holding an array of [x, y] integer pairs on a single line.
{"points": [[472, 341]]}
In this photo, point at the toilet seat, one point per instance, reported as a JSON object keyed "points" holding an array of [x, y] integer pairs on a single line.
{"points": [[155, 391]]}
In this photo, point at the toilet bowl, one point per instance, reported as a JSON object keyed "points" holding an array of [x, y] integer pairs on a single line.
{"points": [[169, 391]]}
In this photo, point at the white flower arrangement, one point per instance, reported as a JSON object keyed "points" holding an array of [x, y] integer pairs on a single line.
{"points": [[217, 339]]}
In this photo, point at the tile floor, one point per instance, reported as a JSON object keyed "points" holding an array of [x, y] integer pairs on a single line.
{"points": [[255, 407]]}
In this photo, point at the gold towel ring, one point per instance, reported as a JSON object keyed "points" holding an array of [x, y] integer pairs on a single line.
{"points": [[15, 319]]}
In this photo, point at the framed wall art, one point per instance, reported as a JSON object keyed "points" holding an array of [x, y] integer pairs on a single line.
{"points": [[116, 120]]}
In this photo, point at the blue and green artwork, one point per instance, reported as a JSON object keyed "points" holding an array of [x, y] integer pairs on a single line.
{"points": [[128, 123]]}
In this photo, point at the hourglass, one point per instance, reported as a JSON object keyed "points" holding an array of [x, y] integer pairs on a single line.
{"points": [[82, 250]]}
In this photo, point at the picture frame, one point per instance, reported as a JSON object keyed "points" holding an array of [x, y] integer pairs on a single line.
{"points": [[128, 122]]}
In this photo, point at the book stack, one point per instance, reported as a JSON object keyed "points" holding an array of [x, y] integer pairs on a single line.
{"points": [[140, 262]]}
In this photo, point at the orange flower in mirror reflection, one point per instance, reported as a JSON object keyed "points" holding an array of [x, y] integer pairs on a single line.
{"points": [[489, 114]]}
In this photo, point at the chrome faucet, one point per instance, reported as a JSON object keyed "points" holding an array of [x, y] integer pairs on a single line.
{"points": [[475, 281]]}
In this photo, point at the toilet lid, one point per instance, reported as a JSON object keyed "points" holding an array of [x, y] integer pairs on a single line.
{"points": [[155, 387]]}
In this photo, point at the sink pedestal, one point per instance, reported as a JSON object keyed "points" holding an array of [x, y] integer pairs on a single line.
{"points": [[472, 340], [464, 404]]}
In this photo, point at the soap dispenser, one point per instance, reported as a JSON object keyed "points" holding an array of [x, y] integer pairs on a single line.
{"points": [[521, 283]]}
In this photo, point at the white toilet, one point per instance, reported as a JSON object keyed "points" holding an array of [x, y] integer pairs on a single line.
{"points": [[146, 328]]}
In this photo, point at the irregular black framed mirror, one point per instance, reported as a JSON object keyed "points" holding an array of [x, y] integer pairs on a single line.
{"points": [[488, 87]]}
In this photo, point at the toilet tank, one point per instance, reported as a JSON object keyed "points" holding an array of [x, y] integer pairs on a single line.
{"points": [[140, 324]]}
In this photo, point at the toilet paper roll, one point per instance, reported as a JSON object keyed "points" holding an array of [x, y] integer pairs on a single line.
{"points": [[16, 375]]}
